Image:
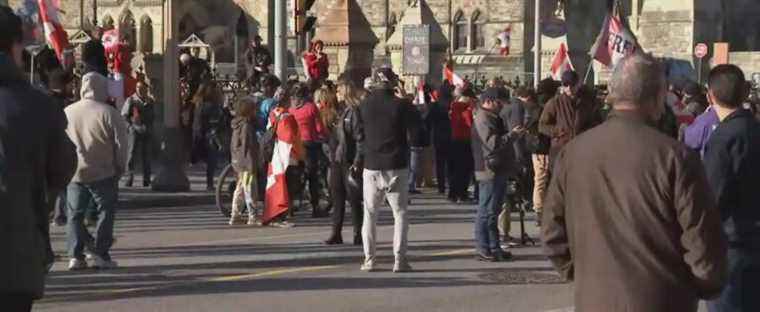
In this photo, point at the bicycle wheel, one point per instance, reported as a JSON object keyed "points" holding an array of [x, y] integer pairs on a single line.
{"points": [[225, 189]]}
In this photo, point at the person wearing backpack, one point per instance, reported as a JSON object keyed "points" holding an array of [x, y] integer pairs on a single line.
{"points": [[138, 112], [244, 150], [36, 162]]}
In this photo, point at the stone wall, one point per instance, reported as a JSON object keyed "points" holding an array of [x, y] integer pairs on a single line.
{"points": [[749, 62]]}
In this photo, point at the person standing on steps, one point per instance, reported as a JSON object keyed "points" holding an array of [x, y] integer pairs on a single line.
{"points": [[138, 112]]}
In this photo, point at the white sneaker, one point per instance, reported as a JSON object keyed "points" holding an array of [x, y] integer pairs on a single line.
{"points": [[76, 264], [236, 221], [102, 264], [254, 221], [282, 224], [368, 266]]}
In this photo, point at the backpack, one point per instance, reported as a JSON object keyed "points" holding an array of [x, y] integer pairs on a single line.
{"points": [[267, 142]]}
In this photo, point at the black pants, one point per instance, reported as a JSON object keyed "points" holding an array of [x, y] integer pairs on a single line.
{"points": [[313, 155], [342, 190], [16, 302], [462, 164], [139, 148], [441, 165]]}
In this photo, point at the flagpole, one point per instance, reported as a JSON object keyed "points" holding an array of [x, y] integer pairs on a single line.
{"points": [[588, 71], [537, 40]]}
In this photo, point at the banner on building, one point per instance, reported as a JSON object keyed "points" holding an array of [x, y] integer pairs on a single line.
{"points": [[614, 42], [416, 59]]}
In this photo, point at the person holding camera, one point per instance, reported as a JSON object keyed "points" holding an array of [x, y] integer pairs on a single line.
{"points": [[494, 161]]}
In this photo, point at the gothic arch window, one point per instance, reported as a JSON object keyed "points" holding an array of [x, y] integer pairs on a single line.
{"points": [[107, 22], [146, 35], [460, 31], [128, 29], [477, 24]]}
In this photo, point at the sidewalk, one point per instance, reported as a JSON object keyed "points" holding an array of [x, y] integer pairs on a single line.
{"points": [[139, 197]]}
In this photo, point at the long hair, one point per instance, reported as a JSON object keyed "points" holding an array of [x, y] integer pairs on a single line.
{"points": [[327, 102], [352, 95]]}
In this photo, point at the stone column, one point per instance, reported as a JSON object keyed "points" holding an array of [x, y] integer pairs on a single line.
{"points": [[171, 176]]}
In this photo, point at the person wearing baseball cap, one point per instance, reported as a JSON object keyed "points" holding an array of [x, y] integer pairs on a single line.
{"points": [[387, 118]]}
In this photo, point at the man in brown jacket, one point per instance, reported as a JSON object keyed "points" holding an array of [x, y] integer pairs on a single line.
{"points": [[569, 113], [629, 215]]}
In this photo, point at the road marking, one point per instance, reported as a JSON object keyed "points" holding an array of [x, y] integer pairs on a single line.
{"points": [[271, 273], [452, 252]]}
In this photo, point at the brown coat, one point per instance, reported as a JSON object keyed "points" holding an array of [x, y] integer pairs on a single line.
{"points": [[630, 217], [564, 118]]}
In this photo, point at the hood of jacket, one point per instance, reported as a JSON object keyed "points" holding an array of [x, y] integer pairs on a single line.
{"points": [[9, 72], [94, 87]]}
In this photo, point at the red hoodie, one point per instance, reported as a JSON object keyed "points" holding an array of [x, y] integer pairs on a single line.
{"points": [[309, 124], [460, 114]]}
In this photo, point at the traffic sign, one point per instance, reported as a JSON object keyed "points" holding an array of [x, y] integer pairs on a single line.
{"points": [[700, 50]]}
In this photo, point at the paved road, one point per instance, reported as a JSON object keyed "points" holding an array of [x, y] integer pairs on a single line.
{"points": [[177, 254]]}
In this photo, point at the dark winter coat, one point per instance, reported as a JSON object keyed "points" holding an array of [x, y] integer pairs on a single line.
{"points": [[732, 160], [564, 118], [630, 217], [387, 121], [490, 141], [344, 145], [37, 159]]}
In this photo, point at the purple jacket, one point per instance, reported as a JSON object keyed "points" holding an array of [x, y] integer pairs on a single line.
{"points": [[698, 133]]}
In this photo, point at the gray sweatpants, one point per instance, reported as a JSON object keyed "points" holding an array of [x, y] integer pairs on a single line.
{"points": [[378, 185]]}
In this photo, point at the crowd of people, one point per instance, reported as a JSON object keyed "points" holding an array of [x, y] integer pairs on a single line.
{"points": [[643, 190]]}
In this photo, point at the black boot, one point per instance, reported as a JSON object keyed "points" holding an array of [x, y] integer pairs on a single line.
{"points": [[358, 240], [334, 239], [130, 181]]}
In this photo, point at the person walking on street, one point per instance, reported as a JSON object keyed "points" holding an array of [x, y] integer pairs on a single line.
{"points": [[440, 127], [537, 145], [494, 162], [312, 134], [244, 150], [100, 134], [732, 161], [387, 120], [346, 161], [33, 159], [138, 112], [636, 230]]}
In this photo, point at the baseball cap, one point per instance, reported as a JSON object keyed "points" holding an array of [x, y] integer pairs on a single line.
{"points": [[569, 78]]}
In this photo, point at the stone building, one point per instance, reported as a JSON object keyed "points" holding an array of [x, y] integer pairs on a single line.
{"points": [[668, 28]]}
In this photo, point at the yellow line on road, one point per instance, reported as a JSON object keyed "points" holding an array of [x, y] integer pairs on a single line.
{"points": [[452, 252], [271, 273]]}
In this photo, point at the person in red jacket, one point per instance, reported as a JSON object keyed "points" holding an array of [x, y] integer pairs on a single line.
{"points": [[313, 134], [317, 64], [460, 114]]}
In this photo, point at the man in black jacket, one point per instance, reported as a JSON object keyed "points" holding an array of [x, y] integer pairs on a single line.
{"points": [[387, 119], [732, 160], [36, 162]]}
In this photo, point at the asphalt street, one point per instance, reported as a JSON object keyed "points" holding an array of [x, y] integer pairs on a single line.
{"points": [[176, 253]]}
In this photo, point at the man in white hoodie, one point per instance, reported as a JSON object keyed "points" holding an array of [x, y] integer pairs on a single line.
{"points": [[100, 135]]}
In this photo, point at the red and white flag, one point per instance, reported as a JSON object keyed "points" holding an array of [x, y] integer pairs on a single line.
{"points": [[615, 41], [504, 38], [561, 62], [420, 98], [54, 32], [452, 77], [286, 153]]}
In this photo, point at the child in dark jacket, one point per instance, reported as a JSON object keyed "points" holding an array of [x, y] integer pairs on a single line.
{"points": [[244, 149]]}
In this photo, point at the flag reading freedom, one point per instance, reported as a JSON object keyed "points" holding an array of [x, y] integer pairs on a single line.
{"points": [[614, 43]]}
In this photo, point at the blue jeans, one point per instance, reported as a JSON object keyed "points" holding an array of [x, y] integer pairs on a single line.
{"points": [[104, 194], [742, 292], [491, 197], [415, 167]]}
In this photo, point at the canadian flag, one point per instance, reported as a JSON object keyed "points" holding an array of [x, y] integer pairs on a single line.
{"points": [[452, 77], [420, 98], [561, 62], [54, 32], [286, 153], [615, 42], [504, 38]]}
